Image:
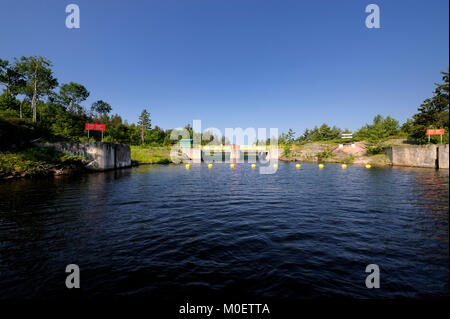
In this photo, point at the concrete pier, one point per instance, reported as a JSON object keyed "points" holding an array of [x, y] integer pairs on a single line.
{"points": [[99, 156], [429, 156]]}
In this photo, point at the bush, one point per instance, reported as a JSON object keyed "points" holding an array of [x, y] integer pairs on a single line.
{"points": [[85, 139], [287, 151], [325, 154], [72, 161], [108, 139], [348, 159], [374, 150], [37, 160]]}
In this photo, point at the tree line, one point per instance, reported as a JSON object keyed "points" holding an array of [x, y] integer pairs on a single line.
{"points": [[33, 94], [432, 113]]}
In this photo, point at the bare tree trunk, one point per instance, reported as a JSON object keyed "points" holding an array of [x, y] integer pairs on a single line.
{"points": [[33, 100], [142, 135], [21, 109]]}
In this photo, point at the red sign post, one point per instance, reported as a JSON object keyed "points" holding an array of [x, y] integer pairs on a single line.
{"points": [[440, 132], [95, 127]]}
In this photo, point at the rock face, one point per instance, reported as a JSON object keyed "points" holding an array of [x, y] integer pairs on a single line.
{"points": [[99, 156], [431, 156], [310, 152]]}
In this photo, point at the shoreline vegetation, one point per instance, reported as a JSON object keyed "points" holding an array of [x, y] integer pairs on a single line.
{"points": [[34, 106], [39, 161]]}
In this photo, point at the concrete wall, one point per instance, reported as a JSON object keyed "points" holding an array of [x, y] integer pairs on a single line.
{"points": [[431, 156], [443, 156], [122, 156], [99, 156]]}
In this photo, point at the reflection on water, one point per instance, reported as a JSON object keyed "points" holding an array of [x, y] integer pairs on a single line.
{"points": [[166, 231]]}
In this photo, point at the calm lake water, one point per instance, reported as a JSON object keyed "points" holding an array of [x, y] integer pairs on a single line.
{"points": [[170, 232]]}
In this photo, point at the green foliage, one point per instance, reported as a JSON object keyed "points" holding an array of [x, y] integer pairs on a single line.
{"points": [[144, 124], [381, 129], [70, 96], [287, 151], [101, 107], [37, 160], [72, 161], [85, 139], [38, 79], [325, 154], [373, 150], [17, 133], [324, 133], [11, 78], [433, 113], [287, 140], [349, 159]]}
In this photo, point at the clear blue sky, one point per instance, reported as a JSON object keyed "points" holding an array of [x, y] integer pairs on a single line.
{"points": [[240, 63]]}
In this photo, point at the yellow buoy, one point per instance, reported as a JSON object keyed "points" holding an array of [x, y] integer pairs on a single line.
{"points": [[231, 165], [188, 166], [368, 166], [344, 165], [275, 165], [253, 165], [298, 166], [321, 165], [210, 165]]}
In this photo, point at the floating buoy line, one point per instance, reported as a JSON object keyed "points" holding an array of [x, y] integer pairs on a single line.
{"points": [[188, 166]]}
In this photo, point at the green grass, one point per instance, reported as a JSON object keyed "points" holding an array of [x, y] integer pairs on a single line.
{"points": [[151, 154], [379, 159], [36, 161]]}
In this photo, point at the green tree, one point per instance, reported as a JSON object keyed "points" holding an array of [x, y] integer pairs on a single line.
{"points": [[325, 132], [290, 136], [38, 78], [11, 78], [288, 140], [380, 129], [144, 124], [71, 95], [433, 112], [101, 107]]}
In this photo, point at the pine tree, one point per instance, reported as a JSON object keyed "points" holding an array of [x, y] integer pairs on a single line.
{"points": [[144, 123]]}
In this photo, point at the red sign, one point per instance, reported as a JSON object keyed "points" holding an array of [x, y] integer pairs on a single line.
{"points": [[435, 131], [95, 127]]}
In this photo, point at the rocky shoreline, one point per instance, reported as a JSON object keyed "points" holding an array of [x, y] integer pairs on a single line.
{"points": [[333, 153]]}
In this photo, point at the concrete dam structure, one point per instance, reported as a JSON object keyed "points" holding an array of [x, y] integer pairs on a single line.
{"points": [[99, 156], [227, 154], [429, 156]]}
